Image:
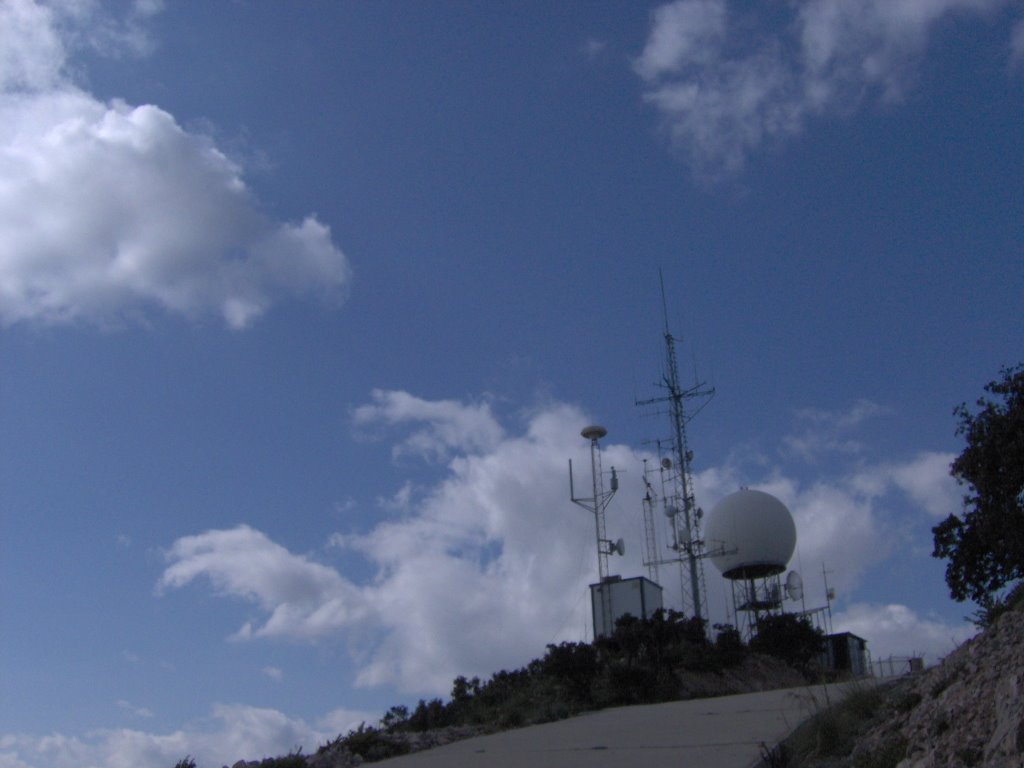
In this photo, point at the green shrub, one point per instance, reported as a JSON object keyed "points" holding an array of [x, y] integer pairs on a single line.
{"points": [[572, 667], [372, 745], [729, 648], [430, 715], [789, 638], [291, 760]]}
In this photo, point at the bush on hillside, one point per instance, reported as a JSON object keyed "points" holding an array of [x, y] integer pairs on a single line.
{"points": [[790, 638]]}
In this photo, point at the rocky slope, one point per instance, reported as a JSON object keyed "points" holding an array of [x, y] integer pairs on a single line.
{"points": [[967, 711]]}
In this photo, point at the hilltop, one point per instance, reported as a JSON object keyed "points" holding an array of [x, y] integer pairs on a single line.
{"points": [[966, 711], [665, 658]]}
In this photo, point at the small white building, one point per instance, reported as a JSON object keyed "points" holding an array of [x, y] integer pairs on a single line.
{"points": [[616, 597], [846, 652]]}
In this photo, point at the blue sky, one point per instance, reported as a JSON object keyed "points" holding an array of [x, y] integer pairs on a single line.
{"points": [[303, 306]]}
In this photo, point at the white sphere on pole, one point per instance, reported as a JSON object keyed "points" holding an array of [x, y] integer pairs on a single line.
{"points": [[752, 533]]}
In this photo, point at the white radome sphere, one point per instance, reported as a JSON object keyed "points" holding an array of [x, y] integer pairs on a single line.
{"points": [[754, 530]]}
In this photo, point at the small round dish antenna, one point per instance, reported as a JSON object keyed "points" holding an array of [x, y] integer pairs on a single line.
{"points": [[671, 511], [666, 463], [794, 586], [620, 547], [594, 432]]}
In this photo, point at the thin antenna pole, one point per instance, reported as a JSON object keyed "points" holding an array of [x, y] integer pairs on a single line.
{"points": [[828, 595], [596, 482], [664, 301], [596, 505]]}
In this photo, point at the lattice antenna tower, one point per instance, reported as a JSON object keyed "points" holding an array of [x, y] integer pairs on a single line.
{"points": [[677, 498]]}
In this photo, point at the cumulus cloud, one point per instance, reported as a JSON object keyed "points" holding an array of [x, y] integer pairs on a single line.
{"points": [[447, 424], [896, 630], [305, 599], [823, 432], [484, 567], [108, 210], [927, 481], [231, 732], [724, 86]]}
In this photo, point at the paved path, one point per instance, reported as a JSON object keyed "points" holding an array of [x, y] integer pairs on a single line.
{"points": [[701, 733]]}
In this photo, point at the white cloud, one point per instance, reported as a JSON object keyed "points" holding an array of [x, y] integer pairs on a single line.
{"points": [[682, 33], [896, 630], [838, 527], [273, 673], [109, 210], [133, 710], [449, 425], [823, 432], [305, 600], [724, 85], [927, 481], [91, 24], [343, 720], [31, 53], [232, 732]]}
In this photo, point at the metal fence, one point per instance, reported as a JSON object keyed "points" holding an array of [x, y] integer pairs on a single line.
{"points": [[896, 666]]}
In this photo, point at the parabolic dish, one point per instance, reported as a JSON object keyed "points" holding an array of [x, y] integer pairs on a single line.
{"points": [[794, 586], [752, 533]]}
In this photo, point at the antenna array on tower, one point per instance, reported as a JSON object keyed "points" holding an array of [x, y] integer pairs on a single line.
{"points": [[676, 482]]}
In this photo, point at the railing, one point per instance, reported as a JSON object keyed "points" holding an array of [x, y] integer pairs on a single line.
{"points": [[896, 666]]}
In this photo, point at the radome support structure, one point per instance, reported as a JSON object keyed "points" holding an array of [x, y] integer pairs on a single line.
{"points": [[759, 537], [676, 481]]}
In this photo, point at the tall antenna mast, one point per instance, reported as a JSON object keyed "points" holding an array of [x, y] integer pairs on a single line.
{"points": [[596, 504], [677, 480]]}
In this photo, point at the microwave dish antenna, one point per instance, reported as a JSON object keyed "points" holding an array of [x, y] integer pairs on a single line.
{"points": [[794, 586]]}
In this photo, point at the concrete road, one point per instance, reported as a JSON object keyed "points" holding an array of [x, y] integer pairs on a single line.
{"points": [[726, 732]]}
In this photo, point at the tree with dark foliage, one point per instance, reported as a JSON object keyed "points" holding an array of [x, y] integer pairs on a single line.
{"points": [[985, 546], [790, 638]]}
